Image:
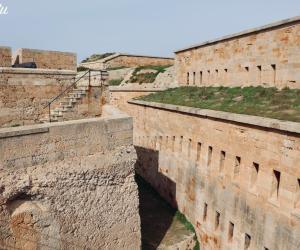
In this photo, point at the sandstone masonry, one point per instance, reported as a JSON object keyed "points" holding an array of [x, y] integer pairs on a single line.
{"points": [[69, 185], [268, 55]]}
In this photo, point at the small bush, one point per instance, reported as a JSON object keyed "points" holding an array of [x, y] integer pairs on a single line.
{"points": [[115, 82], [96, 57], [81, 68]]}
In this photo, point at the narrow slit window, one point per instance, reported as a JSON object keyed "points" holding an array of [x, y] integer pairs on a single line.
{"points": [[194, 78], [188, 78], [226, 70], [254, 175], [208, 76], [198, 150], [297, 201], [247, 241], [247, 69], [217, 220], [180, 143], [201, 77], [209, 156], [237, 165], [230, 231], [275, 184], [173, 143], [259, 73], [167, 142], [189, 147], [273, 72], [205, 212], [222, 160]]}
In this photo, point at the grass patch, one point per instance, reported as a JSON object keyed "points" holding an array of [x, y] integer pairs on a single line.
{"points": [[81, 68], [181, 217], [96, 57], [115, 82], [259, 101], [149, 77]]}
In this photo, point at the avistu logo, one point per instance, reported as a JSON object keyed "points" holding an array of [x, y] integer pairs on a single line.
{"points": [[3, 9]]}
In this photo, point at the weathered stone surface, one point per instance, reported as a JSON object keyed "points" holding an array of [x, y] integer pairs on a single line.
{"points": [[5, 56], [25, 92], [219, 172], [265, 56], [70, 188], [127, 60], [46, 59]]}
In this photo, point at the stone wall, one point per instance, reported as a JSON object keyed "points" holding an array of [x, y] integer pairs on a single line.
{"points": [[268, 56], [5, 56], [235, 177], [45, 59], [24, 92], [127, 60], [136, 61], [119, 96], [69, 185]]}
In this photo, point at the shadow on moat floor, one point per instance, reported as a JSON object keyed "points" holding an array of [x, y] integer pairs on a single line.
{"points": [[156, 215]]}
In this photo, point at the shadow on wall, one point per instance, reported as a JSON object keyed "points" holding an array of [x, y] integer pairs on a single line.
{"points": [[155, 213]]}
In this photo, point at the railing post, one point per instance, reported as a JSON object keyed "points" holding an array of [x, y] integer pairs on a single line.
{"points": [[49, 111]]}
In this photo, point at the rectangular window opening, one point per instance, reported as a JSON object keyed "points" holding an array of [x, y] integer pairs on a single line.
{"points": [[247, 69], [201, 77], [217, 220], [194, 78], [297, 201], [247, 241], [189, 147], [180, 143], [254, 174], [230, 231], [275, 184], [259, 73], [173, 143], [222, 160], [274, 72], [237, 166], [188, 78], [209, 156], [205, 212], [198, 150]]}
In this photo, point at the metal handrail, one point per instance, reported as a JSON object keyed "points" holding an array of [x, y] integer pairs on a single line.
{"points": [[70, 87]]}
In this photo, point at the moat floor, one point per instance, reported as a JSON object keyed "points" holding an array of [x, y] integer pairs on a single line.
{"points": [[159, 226]]}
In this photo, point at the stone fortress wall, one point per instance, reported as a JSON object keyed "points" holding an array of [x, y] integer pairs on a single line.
{"points": [[24, 92], [235, 177], [5, 56], [65, 185], [46, 59], [127, 60], [269, 55]]}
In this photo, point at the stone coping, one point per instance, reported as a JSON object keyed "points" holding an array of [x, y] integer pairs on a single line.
{"points": [[122, 89], [45, 127], [286, 126], [51, 51], [10, 70], [243, 33]]}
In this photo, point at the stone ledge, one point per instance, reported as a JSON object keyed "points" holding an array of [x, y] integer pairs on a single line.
{"points": [[24, 130], [122, 89], [264, 122], [9, 70]]}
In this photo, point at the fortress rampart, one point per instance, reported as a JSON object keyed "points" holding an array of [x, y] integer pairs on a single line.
{"points": [[235, 177], [268, 55]]}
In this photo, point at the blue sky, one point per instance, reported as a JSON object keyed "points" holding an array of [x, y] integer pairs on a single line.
{"points": [[156, 27]]}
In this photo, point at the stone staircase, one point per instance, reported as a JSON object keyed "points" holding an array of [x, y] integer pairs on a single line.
{"points": [[66, 104]]}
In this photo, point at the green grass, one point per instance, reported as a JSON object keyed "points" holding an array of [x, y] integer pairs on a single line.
{"points": [[115, 82], [259, 101], [150, 77], [96, 57], [181, 217], [81, 68]]}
